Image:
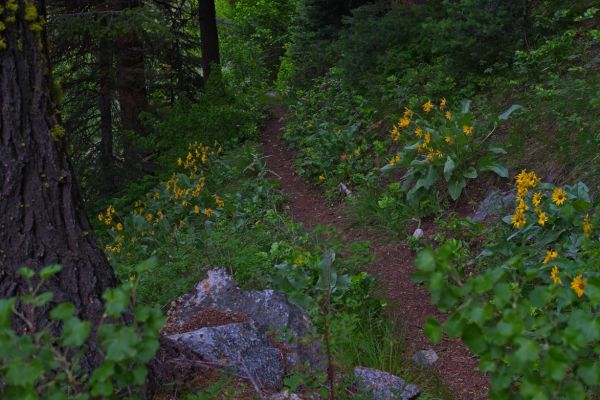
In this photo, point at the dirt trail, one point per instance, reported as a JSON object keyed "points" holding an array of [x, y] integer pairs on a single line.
{"points": [[393, 264]]}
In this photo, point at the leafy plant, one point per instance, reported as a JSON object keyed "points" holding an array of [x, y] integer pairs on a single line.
{"points": [[50, 362], [531, 314], [444, 145]]}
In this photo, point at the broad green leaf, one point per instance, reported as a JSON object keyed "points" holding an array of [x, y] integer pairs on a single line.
{"points": [[121, 345], [455, 188], [575, 390], [474, 339], [496, 150], [102, 388], [42, 299], [470, 173], [465, 106], [26, 272], [62, 311], [454, 325], [489, 164], [431, 178], [506, 114], [6, 309], [433, 330], [540, 296], [50, 271], [589, 372], [448, 168], [528, 350], [425, 260], [21, 372], [117, 301], [104, 371], [75, 332]]}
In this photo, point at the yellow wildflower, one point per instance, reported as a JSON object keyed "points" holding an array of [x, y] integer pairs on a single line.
{"points": [[395, 134], [100, 217], [543, 218], [554, 275], [428, 106], [299, 261], [208, 212], [427, 138], [518, 219], [357, 152], [149, 217], [408, 113], [522, 206], [559, 196], [403, 123], [119, 226], [419, 132], [179, 162], [448, 115], [321, 178], [449, 140], [578, 285], [550, 255], [196, 210], [468, 130], [443, 103], [219, 202], [587, 226]]}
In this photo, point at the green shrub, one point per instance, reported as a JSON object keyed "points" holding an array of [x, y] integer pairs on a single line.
{"points": [[49, 363], [443, 144], [530, 314]]}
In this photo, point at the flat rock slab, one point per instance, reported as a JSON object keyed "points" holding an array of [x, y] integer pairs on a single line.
{"points": [[239, 346], [384, 386]]}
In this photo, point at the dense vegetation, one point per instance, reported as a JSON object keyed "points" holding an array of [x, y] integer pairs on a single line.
{"points": [[135, 114]]}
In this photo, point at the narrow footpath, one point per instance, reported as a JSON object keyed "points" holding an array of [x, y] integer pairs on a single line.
{"points": [[392, 263]]}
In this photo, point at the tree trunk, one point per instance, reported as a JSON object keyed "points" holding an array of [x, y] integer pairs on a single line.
{"points": [[41, 217], [105, 99], [131, 83], [209, 37]]}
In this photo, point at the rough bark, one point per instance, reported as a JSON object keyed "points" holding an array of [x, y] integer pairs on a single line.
{"points": [[41, 217], [209, 37]]}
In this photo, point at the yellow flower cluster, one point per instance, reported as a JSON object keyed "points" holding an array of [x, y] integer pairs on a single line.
{"points": [[524, 182], [118, 245], [107, 216], [396, 159]]}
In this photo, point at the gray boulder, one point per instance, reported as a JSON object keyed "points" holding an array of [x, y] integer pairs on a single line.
{"points": [[239, 346], [239, 329], [495, 204], [383, 386], [425, 358]]}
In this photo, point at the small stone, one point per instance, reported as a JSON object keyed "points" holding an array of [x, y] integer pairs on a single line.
{"points": [[284, 396], [418, 233], [384, 386], [425, 358]]}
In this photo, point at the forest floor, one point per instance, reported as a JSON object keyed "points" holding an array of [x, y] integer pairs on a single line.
{"points": [[409, 303]]}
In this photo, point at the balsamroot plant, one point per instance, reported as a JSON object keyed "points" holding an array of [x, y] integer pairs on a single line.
{"points": [[439, 147], [530, 311]]}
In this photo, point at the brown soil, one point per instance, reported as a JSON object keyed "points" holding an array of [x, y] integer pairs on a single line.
{"points": [[409, 302], [206, 318]]}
